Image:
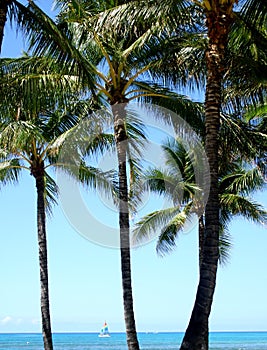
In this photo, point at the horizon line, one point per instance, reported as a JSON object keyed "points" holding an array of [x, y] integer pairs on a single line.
{"points": [[145, 332]]}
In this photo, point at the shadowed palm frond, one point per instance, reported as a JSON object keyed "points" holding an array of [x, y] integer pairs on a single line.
{"points": [[99, 144], [50, 193], [225, 245], [148, 227], [78, 137], [190, 111], [178, 159], [255, 11], [170, 184], [136, 132], [239, 137], [92, 177], [168, 236], [242, 181], [239, 205], [160, 181]]}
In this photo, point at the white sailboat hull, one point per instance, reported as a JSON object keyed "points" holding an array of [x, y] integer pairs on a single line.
{"points": [[104, 335]]}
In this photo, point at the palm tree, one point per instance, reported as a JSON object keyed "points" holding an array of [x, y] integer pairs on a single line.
{"points": [[35, 122], [235, 188], [219, 18], [219, 15]]}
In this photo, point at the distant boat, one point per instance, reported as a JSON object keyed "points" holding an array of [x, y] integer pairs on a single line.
{"points": [[104, 332]]}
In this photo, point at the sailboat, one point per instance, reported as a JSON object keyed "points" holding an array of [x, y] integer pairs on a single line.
{"points": [[104, 332]]}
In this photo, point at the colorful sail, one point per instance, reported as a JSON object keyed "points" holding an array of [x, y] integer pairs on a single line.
{"points": [[104, 332]]}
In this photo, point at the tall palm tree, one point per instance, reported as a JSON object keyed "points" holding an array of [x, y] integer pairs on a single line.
{"points": [[35, 121], [219, 15]]}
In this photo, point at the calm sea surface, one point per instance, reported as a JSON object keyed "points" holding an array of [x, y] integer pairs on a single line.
{"points": [[148, 341]]}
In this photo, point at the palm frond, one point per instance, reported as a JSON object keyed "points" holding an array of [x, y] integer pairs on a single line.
{"points": [[19, 135], [255, 11], [38, 82], [149, 226], [9, 171], [190, 111], [55, 40], [171, 184], [97, 179], [242, 182], [160, 181], [225, 245], [51, 193], [168, 236], [239, 205], [136, 133], [238, 137]]}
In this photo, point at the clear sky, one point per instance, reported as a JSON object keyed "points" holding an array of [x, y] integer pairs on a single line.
{"points": [[85, 280]]}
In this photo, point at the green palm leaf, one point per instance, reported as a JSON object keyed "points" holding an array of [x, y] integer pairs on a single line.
{"points": [[225, 245], [146, 228], [9, 171], [239, 205], [49, 38], [242, 181], [51, 193], [167, 238]]}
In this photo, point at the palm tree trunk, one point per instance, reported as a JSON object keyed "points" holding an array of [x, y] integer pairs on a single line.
{"points": [[41, 228], [3, 17], [201, 237], [121, 147], [218, 23]]}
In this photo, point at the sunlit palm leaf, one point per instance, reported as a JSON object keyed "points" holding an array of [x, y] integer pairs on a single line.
{"points": [[18, 136], [47, 37], [9, 171]]}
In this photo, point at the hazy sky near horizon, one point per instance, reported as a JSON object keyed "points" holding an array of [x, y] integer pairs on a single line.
{"points": [[85, 280]]}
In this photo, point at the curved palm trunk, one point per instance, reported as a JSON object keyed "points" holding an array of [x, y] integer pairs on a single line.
{"points": [[218, 23], [3, 17], [41, 228], [121, 147]]}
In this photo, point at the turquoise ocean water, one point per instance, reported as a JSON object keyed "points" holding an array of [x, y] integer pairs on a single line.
{"points": [[148, 341]]}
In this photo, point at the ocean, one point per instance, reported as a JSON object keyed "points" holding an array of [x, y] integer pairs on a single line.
{"points": [[117, 341]]}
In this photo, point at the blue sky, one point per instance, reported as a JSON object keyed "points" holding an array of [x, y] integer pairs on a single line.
{"points": [[85, 281]]}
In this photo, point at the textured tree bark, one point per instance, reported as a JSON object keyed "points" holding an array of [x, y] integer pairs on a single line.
{"points": [[121, 146], [218, 23], [3, 17], [201, 238], [41, 228]]}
